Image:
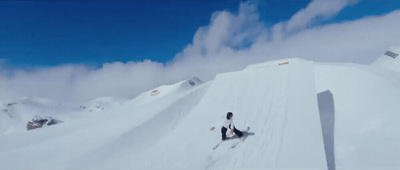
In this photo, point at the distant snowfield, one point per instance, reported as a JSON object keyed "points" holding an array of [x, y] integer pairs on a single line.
{"points": [[303, 115]]}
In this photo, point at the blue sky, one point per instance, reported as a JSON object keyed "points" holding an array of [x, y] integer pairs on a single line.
{"points": [[51, 33], [92, 32], [79, 50]]}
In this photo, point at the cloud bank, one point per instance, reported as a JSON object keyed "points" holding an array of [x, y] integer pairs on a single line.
{"points": [[230, 42], [316, 10]]}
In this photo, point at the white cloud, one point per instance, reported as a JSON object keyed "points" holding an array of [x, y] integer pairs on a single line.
{"points": [[316, 10], [228, 30], [358, 41], [230, 42]]}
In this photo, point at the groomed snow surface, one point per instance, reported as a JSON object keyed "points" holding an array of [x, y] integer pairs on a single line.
{"points": [[303, 115]]}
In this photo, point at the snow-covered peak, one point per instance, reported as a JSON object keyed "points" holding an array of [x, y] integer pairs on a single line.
{"points": [[190, 83], [274, 63], [101, 103], [159, 92], [390, 59]]}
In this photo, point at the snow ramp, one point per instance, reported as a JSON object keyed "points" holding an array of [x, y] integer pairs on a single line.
{"points": [[278, 102], [389, 60]]}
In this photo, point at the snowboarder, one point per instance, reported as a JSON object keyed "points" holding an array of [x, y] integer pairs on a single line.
{"points": [[228, 124]]}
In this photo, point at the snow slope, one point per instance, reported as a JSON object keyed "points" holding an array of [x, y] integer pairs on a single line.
{"points": [[389, 60], [71, 144], [366, 115], [285, 128], [303, 115], [270, 100], [14, 115]]}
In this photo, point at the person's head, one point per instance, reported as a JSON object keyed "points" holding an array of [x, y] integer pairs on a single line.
{"points": [[229, 115]]}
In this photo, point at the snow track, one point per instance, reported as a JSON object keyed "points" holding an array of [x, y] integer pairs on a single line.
{"points": [[280, 105]]}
